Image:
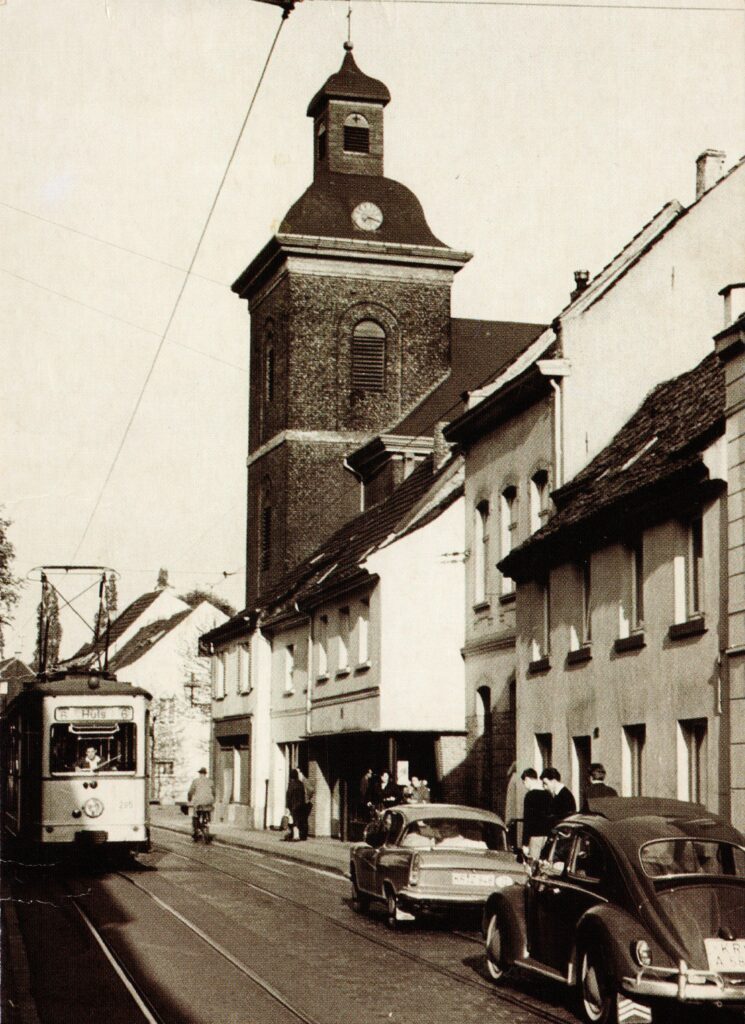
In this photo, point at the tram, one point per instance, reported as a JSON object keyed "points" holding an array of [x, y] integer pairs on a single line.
{"points": [[74, 755]]}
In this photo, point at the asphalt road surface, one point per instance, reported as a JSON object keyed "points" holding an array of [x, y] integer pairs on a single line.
{"points": [[215, 935]]}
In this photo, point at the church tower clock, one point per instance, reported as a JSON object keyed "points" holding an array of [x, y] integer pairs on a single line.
{"points": [[350, 328]]}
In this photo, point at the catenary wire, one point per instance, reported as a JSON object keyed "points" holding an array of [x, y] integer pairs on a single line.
{"points": [[573, 4], [177, 303]]}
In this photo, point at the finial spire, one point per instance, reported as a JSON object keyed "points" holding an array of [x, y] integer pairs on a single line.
{"points": [[349, 45]]}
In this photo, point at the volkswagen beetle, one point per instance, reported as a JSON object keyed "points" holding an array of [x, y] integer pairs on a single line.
{"points": [[638, 903], [430, 857]]}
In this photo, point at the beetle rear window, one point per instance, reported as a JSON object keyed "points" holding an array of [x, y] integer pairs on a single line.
{"points": [[671, 857]]}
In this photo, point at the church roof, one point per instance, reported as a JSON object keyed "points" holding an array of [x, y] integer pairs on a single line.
{"points": [[325, 210], [349, 83]]}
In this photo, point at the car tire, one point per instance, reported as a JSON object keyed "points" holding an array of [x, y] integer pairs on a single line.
{"points": [[597, 990], [360, 902], [496, 964], [391, 906]]}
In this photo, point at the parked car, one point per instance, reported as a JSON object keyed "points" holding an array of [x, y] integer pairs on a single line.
{"points": [[430, 857], [637, 903]]}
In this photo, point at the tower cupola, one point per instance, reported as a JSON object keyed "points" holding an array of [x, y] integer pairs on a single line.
{"points": [[347, 117]]}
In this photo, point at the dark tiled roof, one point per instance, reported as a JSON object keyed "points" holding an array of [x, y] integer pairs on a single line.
{"points": [[14, 673], [661, 442], [119, 626], [480, 349], [324, 210], [349, 83], [144, 639]]}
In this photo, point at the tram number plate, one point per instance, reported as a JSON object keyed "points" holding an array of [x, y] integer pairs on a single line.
{"points": [[726, 955], [473, 878], [93, 714]]}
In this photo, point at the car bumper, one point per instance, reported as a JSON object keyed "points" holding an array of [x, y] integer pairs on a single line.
{"points": [[421, 899], [686, 986]]}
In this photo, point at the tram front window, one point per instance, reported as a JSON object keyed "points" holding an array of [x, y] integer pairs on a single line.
{"points": [[110, 749]]}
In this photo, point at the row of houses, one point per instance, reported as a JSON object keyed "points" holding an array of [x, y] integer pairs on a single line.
{"points": [[475, 544]]}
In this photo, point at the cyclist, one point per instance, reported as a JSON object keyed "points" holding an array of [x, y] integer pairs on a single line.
{"points": [[202, 797]]}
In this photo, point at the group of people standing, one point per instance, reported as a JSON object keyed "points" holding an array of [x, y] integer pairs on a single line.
{"points": [[299, 805], [548, 801], [379, 791]]}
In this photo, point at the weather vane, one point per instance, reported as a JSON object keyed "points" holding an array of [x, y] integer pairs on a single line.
{"points": [[349, 44]]}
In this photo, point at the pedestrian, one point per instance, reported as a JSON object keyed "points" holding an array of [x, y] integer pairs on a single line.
{"points": [[536, 814], [384, 791], [419, 790], [562, 800], [295, 801], [201, 796], [308, 794], [365, 786], [596, 786]]}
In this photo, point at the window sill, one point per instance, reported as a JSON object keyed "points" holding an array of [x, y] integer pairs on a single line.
{"points": [[288, 693], [482, 606], [633, 642], [322, 678], [364, 666], [243, 693], [580, 656], [694, 626], [341, 673], [508, 598], [219, 696], [539, 665]]}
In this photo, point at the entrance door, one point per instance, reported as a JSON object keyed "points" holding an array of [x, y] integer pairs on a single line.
{"points": [[581, 758]]}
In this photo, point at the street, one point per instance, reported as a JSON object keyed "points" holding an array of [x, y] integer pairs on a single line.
{"points": [[219, 934]]}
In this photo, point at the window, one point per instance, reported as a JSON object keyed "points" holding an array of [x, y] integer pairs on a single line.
{"points": [[481, 553], [265, 558], [87, 747], [244, 668], [589, 859], [586, 570], [695, 567], [508, 531], [356, 134], [368, 356], [541, 642], [343, 646], [321, 139], [692, 760], [580, 634], [631, 605], [218, 676], [322, 648], [289, 669], [363, 632], [581, 758], [269, 368], [634, 738], [538, 499], [543, 751]]}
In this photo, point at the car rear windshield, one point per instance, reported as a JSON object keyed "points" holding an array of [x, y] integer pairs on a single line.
{"points": [[665, 858], [455, 834]]}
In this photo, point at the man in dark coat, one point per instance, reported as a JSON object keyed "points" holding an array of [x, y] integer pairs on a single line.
{"points": [[562, 800], [597, 787], [296, 801], [536, 814]]}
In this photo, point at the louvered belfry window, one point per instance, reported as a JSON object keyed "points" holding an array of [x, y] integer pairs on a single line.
{"points": [[356, 134], [368, 356]]}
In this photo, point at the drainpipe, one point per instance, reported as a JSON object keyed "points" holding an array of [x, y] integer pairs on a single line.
{"points": [[358, 478], [556, 370]]}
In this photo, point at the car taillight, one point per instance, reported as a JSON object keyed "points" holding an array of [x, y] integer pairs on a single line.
{"points": [[642, 953], [415, 870]]}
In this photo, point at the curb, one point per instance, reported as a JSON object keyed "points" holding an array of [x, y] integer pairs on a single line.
{"points": [[306, 860]]}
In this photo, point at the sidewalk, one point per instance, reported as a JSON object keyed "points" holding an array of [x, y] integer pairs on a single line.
{"points": [[330, 854]]}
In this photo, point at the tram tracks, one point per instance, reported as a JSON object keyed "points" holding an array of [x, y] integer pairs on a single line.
{"points": [[518, 1001]]}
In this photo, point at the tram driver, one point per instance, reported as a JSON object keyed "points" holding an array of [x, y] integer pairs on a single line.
{"points": [[90, 762]]}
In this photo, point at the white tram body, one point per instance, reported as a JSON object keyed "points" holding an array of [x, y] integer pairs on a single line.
{"points": [[75, 763]]}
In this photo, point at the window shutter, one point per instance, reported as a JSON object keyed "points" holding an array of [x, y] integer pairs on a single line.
{"points": [[368, 356]]}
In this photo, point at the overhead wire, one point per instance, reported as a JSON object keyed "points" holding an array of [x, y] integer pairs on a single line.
{"points": [[700, 8], [177, 303]]}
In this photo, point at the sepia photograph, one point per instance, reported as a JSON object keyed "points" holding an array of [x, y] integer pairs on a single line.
{"points": [[372, 520]]}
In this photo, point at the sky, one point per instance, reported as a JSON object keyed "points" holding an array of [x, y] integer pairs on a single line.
{"points": [[539, 137]]}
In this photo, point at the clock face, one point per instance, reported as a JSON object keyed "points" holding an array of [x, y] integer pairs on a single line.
{"points": [[367, 216]]}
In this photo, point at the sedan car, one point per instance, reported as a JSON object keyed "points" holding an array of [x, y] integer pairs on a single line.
{"points": [[429, 857], [637, 903]]}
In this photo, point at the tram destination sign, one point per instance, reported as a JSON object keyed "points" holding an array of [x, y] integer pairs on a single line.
{"points": [[95, 713]]}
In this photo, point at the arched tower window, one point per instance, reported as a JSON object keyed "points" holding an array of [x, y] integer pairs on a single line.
{"points": [[269, 369], [368, 356], [321, 142], [356, 134], [266, 526]]}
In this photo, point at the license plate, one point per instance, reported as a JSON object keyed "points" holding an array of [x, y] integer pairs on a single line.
{"points": [[472, 878], [726, 956]]}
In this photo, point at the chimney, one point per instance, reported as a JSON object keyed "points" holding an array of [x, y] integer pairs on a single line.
{"points": [[581, 281], [709, 169], [734, 302], [441, 448]]}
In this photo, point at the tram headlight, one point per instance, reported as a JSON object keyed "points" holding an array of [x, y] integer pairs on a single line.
{"points": [[93, 807]]}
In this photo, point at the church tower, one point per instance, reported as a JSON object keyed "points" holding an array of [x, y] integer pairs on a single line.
{"points": [[350, 328]]}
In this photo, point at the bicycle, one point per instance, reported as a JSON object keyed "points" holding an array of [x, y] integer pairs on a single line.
{"points": [[201, 825]]}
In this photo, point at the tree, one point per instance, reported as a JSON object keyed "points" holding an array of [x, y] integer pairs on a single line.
{"points": [[9, 584], [195, 596], [162, 580], [49, 630], [110, 603]]}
